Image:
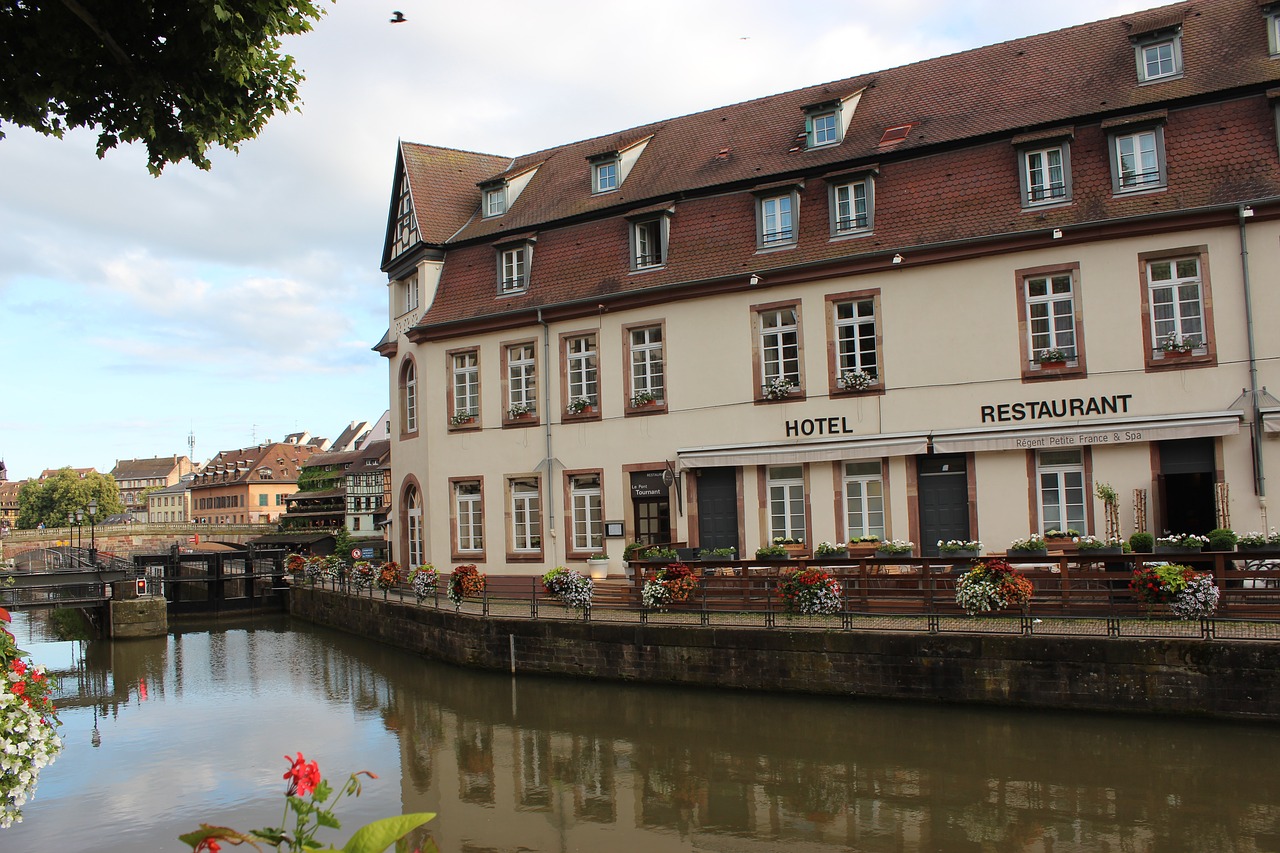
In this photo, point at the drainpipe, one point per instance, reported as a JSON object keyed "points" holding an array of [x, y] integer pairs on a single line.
{"points": [[550, 502], [1259, 478]]}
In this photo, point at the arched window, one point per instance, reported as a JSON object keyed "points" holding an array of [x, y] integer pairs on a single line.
{"points": [[413, 527], [408, 397]]}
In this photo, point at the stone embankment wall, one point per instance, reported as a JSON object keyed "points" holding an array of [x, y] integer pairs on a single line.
{"points": [[1236, 680]]}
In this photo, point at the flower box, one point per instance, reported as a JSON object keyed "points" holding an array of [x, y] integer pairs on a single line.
{"points": [[1027, 553], [1057, 364], [797, 552], [1177, 549], [961, 554], [882, 552], [862, 549], [1255, 548], [1101, 552]]}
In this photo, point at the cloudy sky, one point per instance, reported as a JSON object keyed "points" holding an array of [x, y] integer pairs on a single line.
{"points": [[240, 304]]}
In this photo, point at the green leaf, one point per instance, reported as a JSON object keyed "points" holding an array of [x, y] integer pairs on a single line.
{"points": [[381, 834]]}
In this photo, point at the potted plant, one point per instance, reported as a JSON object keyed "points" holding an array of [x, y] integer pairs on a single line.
{"points": [[1180, 543], [992, 584], [863, 546], [1188, 593], [1142, 543], [598, 565], [660, 554], [895, 548], [521, 411], [959, 549], [580, 405], [642, 399], [830, 549], [634, 551], [718, 553], [1255, 541], [424, 581], [573, 589], [362, 574], [809, 592], [795, 548], [465, 581], [1027, 549], [672, 584], [1094, 547], [1174, 345], [771, 552], [1052, 357], [778, 388], [463, 417], [855, 380], [1222, 539]]}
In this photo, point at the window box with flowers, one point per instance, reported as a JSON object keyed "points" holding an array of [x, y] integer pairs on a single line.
{"points": [[771, 552], [521, 412], [1177, 346], [895, 548], [863, 546], [794, 548], [856, 380], [581, 406], [959, 549], [1255, 541], [463, 417], [1030, 548], [830, 549], [1093, 546], [1181, 543], [644, 400], [1052, 358], [779, 388]]}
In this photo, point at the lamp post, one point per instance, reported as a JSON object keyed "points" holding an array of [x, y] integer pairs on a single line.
{"points": [[71, 531], [93, 539], [80, 528]]}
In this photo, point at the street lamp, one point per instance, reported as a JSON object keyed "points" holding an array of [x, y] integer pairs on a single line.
{"points": [[93, 539], [71, 531], [80, 528]]}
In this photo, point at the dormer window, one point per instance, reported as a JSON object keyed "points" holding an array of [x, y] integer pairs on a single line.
{"points": [[826, 122], [495, 200], [777, 210], [1159, 55], [604, 176], [826, 129], [513, 267], [649, 230], [850, 200]]}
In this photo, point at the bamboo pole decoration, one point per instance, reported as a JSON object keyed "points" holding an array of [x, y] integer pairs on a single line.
{"points": [[1111, 514], [1220, 494], [1139, 510]]}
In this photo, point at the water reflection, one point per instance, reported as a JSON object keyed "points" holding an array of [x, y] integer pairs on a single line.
{"points": [[535, 764]]}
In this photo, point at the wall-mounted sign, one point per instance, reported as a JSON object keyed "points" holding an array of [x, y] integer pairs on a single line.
{"points": [[613, 530], [1067, 407], [367, 553], [648, 484], [355, 553]]}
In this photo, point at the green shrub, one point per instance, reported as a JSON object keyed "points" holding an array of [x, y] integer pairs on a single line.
{"points": [[1142, 543], [1222, 539]]}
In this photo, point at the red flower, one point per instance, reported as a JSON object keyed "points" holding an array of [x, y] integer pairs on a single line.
{"points": [[209, 845], [19, 667], [303, 776], [18, 688]]}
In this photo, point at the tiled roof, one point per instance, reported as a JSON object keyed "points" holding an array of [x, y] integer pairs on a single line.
{"points": [[136, 469], [242, 464], [1004, 88]]}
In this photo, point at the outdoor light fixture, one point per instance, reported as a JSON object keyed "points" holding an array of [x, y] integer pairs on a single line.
{"points": [[755, 279], [93, 539], [897, 259], [1246, 210], [1057, 233]]}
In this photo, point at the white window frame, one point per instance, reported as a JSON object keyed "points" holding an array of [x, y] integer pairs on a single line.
{"points": [[1040, 186], [495, 201], [1144, 46], [780, 344], [777, 219], [786, 502], [513, 269], [1060, 490], [844, 200], [647, 362], [605, 175], [824, 128], [1182, 321], [409, 396], [582, 368], [863, 491], [466, 383], [649, 242], [414, 527], [1048, 327], [468, 501], [586, 507], [1273, 33], [1137, 160], [852, 333], [526, 515], [522, 376]]}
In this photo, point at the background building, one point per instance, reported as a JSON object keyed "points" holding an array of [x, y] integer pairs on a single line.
{"points": [[133, 476], [248, 485], [945, 300]]}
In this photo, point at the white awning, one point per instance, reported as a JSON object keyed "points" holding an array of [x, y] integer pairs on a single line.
{"points": [[792, 453], [1271, 421], [1060, 436]]}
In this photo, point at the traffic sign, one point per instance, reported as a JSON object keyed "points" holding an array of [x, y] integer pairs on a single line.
{"points": [[355, 553]]}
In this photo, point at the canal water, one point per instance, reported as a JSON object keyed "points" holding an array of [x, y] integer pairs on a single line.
{"points": [[162, 735]]}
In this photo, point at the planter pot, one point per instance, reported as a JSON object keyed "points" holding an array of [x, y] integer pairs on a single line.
{"points": [[1177, 549], [967, 554], [797, 552], [1052, 365], [880, 552], [1027, 553], [1101, 552], [1255, 548], [598, 569], [862, 549]]}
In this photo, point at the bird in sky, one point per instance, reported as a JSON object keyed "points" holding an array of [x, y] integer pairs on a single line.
{"points": [[398, 18]]}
